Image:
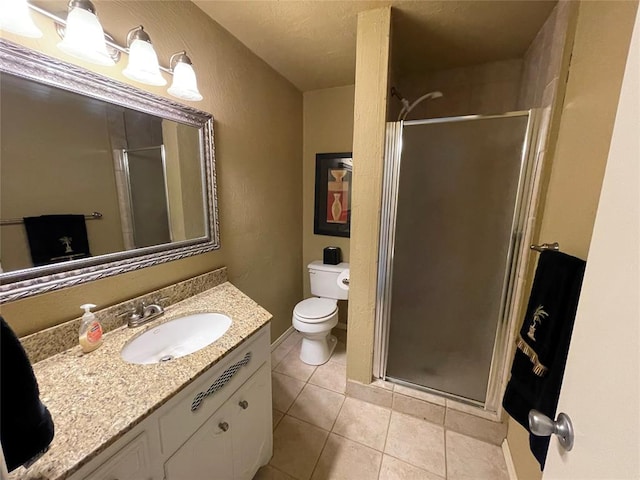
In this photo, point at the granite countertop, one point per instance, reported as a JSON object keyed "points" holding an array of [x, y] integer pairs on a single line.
{"points": [[96, 398]]}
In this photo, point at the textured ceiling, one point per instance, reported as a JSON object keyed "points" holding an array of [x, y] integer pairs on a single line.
{"points": [[312, 43]]}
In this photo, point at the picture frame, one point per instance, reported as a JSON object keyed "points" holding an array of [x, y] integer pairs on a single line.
{"points": [[332, 208]]}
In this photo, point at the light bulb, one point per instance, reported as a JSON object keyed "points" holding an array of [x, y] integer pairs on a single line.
{"points": [[143, 61], [15, 18], [184, 85], [84, 36]]}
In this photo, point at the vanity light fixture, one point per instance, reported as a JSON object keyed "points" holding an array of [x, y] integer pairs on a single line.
{"points": [[184, 85], [16, 18], [143, 60], [83, 35]]}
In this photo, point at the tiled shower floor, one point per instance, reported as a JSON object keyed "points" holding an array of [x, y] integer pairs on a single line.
{"points": [[321, 434]]}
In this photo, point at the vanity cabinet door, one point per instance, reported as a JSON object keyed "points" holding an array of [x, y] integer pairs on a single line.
{"points": [[235, 441], [252, 430], [130, 463], [208, 453]]}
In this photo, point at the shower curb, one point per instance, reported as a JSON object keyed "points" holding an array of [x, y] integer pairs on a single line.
{"points": [[451, 415]]}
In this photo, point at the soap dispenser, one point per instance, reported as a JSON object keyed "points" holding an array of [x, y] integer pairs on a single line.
{"points": [[90, 330]]}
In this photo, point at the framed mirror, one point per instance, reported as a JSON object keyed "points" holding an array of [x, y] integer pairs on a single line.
{"points": [[97, 177]]}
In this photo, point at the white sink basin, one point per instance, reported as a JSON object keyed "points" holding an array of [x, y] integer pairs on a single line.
{"points": [[176, 338]]}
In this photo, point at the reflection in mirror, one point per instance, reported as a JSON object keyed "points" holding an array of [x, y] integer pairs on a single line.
{"points": [[97, 177], [65, 153]]}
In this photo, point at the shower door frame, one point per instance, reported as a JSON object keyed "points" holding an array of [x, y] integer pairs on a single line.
{"points": [[517, 256], [125, 198]]}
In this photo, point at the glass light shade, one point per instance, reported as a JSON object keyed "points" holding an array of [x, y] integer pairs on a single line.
{"points": [[16, 18], [143, 64], [84, 38], [185, 85]]}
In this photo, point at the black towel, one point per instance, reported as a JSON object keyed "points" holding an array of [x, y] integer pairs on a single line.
{"points": [[56, 238], [26, 427], [543, 343]]}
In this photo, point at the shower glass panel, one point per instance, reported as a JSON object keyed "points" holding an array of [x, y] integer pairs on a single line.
{"points": [[454, 228], [146, 178]]}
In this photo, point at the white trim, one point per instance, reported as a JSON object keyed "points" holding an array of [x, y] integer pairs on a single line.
{"points": [[282, 338], [508, 460]]}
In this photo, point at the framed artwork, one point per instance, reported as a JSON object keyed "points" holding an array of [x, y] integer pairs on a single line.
{"points": [[332, 213]]}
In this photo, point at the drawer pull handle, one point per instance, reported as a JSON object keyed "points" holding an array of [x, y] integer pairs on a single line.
{"points": [[244, 404], [224, 426], [220, 382]]}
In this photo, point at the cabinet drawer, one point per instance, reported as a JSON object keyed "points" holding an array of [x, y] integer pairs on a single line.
{"points": [[191, 408], [130, 463]]}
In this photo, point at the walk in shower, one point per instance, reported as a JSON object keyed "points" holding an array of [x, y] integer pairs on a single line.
{"points": [[141, 181], [456, 192]]}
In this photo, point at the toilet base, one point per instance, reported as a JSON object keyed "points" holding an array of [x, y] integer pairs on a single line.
{"points": [[317, 349]]}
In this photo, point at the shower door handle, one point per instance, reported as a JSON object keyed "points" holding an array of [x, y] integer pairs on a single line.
{"points": [[542, 426]]}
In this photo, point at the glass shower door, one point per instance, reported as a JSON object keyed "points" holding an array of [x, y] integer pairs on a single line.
{"points": [[145, 172], [454, 226]]}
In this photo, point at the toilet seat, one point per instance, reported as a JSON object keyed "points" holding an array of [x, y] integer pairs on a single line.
{"points": [[315, 310]]}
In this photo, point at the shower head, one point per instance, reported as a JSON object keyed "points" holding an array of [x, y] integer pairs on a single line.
{"points": [[407, 108], [398, 95]]}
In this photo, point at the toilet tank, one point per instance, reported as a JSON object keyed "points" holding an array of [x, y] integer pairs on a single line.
{"points": [[324, 280]]}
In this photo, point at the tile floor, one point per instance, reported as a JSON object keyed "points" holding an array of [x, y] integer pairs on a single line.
{"points": [[319, 434]]}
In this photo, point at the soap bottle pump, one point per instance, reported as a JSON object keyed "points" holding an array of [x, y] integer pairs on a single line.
{"points": [[90, 330]]}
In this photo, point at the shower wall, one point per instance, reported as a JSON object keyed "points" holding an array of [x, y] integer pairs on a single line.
{"points": [[489, 88], [543, 60]]}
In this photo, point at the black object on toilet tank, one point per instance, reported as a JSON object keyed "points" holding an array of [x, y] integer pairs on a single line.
{"points": [[331, 255]]}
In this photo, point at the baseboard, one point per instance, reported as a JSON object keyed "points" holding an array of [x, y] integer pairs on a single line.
{"points": [[511, 468], [282, 338], [341, 326]]}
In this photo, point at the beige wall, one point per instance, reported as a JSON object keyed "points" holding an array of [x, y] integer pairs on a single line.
{"points": [[542, 61], [258, 140], [488, 88], [599, 54], [372, 66], [328, 128], [47, 169]]}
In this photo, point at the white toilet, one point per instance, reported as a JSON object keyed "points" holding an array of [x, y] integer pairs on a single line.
{"points": [[315, 317]]}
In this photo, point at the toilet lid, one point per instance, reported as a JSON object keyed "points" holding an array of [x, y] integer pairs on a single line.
{"points": [[315, 308]]}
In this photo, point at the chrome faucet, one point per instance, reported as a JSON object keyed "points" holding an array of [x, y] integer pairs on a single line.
{"points": [[143, 313]]}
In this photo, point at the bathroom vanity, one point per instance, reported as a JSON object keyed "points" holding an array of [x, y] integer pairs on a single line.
{"points": [[203, 415], [227, 437]]}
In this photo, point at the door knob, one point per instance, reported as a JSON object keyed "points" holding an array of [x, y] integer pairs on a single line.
{"points": [[542, 426]]}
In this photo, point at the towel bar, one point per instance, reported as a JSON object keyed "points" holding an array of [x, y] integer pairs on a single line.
{"points": [[18, 221], [555, 246]]}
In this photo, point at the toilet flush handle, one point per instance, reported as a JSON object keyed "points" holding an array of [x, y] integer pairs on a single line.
{"points": [[345, 281]]}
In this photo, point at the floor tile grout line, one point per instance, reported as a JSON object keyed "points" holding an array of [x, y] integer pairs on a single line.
{"points": [[295, 399], [414, 466], [359, 443], [281, 471], [444, 434], [273, 367], [338, 415], [324, 445], [386, 438], [287, 375]]}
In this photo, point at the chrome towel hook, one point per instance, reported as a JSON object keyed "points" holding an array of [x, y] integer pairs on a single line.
{"points": [[555, 246]]}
